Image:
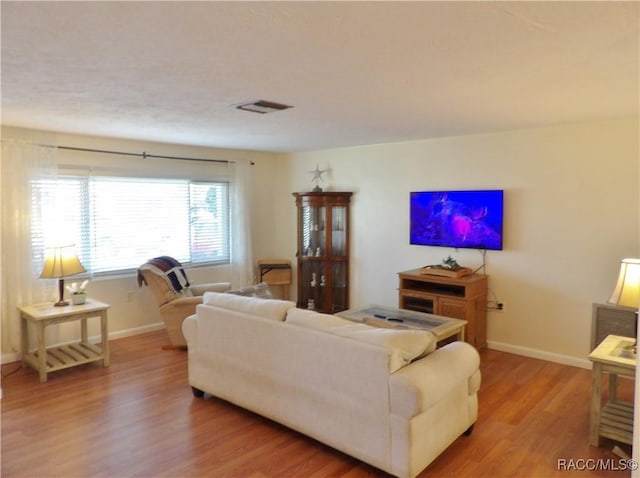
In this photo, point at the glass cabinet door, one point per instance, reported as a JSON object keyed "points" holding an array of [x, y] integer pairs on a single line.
{"points": [[339, 287], [313, 228], [311, 295], [339, 231]]}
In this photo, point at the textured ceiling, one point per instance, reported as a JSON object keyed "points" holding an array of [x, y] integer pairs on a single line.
{"points": [[355, 72]]}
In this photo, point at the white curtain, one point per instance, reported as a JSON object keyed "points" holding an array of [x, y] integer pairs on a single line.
{"points": [[242, 269], [22, 164]]}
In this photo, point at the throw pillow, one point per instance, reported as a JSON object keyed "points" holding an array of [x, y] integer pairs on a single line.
{"points": [[403, 346], [258, 290], [267, 308], [315, 320]]}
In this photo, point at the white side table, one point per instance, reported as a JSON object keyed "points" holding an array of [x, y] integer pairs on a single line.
{"points": [[46, 360], [615, 419]]}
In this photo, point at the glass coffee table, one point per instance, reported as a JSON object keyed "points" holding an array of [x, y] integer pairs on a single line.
{"points": [[382, 316]]}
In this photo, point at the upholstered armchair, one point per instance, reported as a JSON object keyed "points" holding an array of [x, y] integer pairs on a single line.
{"points": [[175, 296]]}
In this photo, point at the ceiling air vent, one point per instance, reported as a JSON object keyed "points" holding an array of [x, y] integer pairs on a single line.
{"points": [[262, 107]]}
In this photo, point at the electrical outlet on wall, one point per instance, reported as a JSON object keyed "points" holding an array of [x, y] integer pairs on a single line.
{"points": [[495, 306]]}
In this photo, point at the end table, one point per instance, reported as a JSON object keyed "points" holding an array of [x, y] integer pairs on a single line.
{"points": [[615, 419], [46, 360]]}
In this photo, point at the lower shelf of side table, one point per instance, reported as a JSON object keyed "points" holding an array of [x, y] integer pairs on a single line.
{"points": [[616, 421], [67, 356]]}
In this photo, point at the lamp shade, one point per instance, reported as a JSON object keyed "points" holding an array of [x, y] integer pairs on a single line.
{"points": [[627, 291], [61, 262]]}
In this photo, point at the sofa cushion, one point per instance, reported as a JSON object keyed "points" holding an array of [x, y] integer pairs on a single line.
{"points": [[315, 320], [403, 346], [268, 308], [258, 290]]}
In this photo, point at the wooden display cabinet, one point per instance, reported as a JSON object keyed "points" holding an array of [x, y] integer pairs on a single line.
{"points": [[323, 250], [461, 298]]}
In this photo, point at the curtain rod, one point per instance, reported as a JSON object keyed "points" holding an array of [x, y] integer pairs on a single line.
{"points": [[144, 155]]}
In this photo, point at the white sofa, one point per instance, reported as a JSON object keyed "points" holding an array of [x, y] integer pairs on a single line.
{"points": [[383, 396]]}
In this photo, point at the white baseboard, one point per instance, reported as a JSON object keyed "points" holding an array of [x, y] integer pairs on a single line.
{"points": [[9, 358], [540, 354], [120, 334], [15, 356]]}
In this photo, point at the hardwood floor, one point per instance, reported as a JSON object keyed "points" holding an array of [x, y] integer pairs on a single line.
{"points": [[138, 418]]}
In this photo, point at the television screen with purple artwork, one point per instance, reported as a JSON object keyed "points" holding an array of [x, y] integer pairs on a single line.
{"points": [[464, 219]]}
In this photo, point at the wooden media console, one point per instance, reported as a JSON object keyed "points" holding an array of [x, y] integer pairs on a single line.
{"points": [[462, 298]]}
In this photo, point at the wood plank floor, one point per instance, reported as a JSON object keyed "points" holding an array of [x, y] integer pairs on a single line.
{"points": [[138, 418]]}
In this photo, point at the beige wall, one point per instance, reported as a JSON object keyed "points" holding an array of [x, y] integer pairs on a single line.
{"points": [[571, 213]]}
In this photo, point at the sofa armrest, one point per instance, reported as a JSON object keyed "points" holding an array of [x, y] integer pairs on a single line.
{"points": [[182, 304], [200, 289], [190, 332], [414, 388]]}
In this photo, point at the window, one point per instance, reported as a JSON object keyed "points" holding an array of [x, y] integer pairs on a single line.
{"points": [[118, 223]]}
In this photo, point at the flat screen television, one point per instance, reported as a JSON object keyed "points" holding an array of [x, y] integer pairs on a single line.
{"points": [[460, 219]]}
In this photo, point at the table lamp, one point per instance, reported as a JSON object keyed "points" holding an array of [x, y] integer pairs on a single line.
{"points": [[60, 262], [627, 291]]}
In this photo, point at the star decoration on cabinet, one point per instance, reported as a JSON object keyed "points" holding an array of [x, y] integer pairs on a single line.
{"points": [[317, 177]]}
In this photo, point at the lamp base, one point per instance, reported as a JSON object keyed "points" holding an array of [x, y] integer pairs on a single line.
{"points": [[61, 302]]}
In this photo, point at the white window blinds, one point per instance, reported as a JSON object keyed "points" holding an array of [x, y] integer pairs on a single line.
{"points": [[118, 223]]}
